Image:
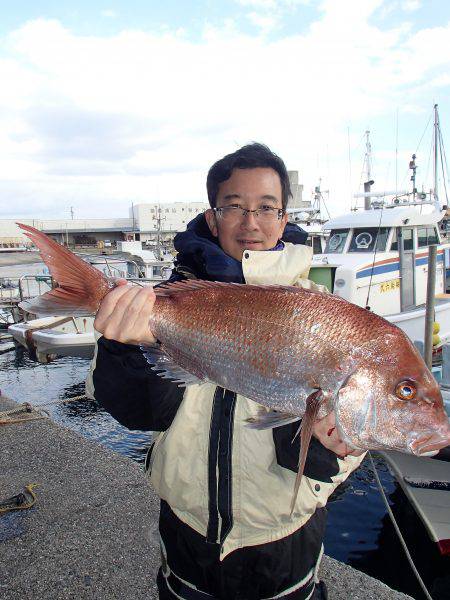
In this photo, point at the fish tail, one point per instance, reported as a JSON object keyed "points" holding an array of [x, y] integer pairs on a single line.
{"points": [[313, 403], [81, 287]]}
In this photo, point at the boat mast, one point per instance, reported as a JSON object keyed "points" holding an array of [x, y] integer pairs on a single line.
{"points": [[369, 182], [435, 161]]}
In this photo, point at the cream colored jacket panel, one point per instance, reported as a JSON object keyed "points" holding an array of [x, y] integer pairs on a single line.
{"points": [[289, 266], [262, 489]]}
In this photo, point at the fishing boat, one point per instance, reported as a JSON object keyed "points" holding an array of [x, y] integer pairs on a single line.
{"points": [[48, 337], [377, 258]]}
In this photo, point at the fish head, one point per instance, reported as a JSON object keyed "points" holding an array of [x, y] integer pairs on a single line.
{"points": [[392, 401]]}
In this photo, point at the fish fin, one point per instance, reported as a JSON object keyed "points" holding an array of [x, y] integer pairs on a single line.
{"points": [[49, 305], [167, 368], [79, 282], [270, 419], [313, 402], [179, 287]]}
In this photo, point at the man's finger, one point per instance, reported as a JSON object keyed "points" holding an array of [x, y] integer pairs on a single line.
{"points": [[109, 303], [117, 323], [140, 308]]}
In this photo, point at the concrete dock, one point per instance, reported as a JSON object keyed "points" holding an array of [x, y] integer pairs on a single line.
{"points": [[92, 533]]}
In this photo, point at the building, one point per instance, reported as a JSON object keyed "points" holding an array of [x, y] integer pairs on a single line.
{"points": [[146, 223], [150, 223]]}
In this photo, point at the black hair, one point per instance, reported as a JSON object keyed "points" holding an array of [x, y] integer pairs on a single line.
{"points": [[250, 156]]}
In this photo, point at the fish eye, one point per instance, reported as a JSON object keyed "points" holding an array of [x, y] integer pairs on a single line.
{"points": [[406, 390]]}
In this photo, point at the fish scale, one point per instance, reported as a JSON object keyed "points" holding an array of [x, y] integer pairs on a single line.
{"points": [[264, 347]]}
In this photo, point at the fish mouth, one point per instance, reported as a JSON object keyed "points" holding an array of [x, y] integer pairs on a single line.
{"points": [[428, 445]]}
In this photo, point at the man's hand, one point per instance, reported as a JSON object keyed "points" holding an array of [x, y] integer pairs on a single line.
{"points": [[125, 312], [326, 432]]}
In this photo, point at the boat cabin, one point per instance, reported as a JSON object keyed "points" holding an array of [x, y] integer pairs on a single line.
{"points": [[379, 258]]}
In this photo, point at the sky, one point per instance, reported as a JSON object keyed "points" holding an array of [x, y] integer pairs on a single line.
{"points": [[108, 103]]}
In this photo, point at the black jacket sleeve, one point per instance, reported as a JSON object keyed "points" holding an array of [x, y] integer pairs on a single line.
{"points": [[321, 463], [130, 391]]}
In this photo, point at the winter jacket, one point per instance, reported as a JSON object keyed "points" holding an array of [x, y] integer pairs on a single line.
{"points": [[223, 483]]}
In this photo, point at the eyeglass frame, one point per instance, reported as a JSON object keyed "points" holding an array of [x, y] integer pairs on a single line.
{"points": [[245, 211]]}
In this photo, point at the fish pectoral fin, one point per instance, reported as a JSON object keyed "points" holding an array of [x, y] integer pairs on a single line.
{"points": [[167, 369], [313, 402], [270, 419]]}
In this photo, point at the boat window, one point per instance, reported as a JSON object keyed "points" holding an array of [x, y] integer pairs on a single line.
{"points": [[427, 236], [394, 243], [317, 246], [408, 239], [368, 239], [336, 241]]}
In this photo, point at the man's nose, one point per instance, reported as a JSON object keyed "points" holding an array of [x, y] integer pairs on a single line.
{"points": [[249, 221]]}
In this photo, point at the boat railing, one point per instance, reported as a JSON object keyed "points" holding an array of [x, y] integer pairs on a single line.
{"points": [[9, 290], [34, 285]]}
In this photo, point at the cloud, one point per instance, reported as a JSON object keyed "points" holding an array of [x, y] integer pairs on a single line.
{"points": [[266, 15], [98, 122], [109, 13], [411, 5]]}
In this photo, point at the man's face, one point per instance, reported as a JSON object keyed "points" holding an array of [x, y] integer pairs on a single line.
{"points": [[250, 189]]}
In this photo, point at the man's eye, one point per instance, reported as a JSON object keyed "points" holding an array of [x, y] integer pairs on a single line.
{"points": [[267, 208]]}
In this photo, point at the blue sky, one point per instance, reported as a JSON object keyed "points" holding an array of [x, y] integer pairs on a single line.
{"points": [[108, 103]]}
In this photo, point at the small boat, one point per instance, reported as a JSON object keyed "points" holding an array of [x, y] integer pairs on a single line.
{"points": [[48, 337]]}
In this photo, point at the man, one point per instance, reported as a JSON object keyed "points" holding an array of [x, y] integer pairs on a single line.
{"points": [[225, 524]]}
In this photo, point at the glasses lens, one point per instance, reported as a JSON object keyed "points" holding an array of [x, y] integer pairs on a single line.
{"points": [[235, 213]]}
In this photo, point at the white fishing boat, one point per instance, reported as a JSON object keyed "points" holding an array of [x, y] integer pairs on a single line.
{"points": [[377, 258], [48, 337]]}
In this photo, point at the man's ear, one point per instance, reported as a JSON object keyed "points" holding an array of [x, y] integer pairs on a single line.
{"points": [[210, 217]]}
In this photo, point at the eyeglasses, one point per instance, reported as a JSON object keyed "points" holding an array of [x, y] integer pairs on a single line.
{"points": [[234, 213]]}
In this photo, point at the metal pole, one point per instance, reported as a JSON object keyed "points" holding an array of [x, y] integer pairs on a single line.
{"points": [[429, 312], [435, 160]]}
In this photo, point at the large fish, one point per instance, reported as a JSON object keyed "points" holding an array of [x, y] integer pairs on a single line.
{"points": [[297, 352]]}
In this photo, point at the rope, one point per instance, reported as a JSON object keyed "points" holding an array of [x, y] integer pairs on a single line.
{"points": [[31, 413], [16, 502], [374, 258], [397, 530]]}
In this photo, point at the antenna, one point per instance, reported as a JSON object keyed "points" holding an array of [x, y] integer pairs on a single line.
{"points": [[368, 164], [413, 167], [435, 143]]}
